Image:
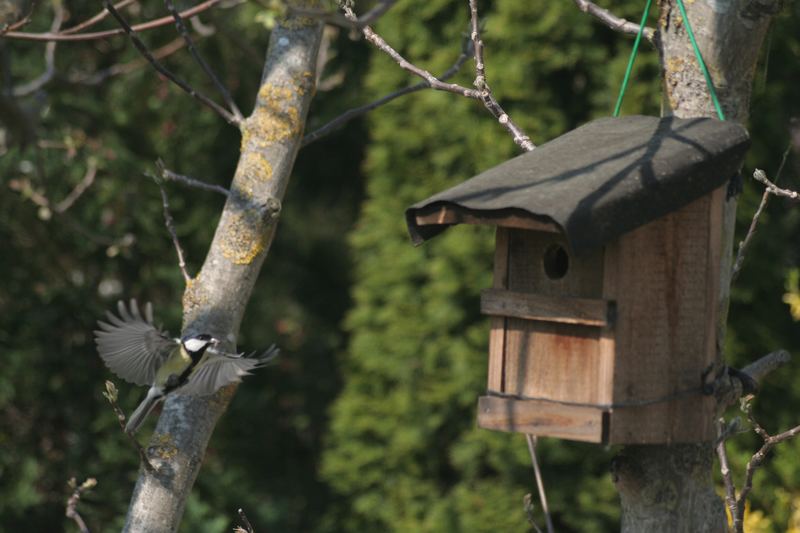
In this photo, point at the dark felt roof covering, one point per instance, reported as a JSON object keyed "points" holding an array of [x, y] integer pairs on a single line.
{"points": [[603, 179]]}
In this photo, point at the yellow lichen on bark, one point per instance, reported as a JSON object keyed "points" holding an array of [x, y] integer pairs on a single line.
{"points": [[163, 446], [194, 296], [273, 120], [244, 240]]}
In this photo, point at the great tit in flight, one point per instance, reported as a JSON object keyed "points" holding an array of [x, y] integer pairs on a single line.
{"points": [[134, 349]]}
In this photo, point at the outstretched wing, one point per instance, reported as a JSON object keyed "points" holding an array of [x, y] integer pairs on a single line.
{"points": [[130, 345], [221, 368]]}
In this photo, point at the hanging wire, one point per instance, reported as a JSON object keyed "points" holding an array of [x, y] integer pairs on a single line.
{"points": [[697, 54], [632, 58], [702, 63]]}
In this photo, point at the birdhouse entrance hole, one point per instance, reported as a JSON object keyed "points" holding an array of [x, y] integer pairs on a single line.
{"points": [[555, 261]]}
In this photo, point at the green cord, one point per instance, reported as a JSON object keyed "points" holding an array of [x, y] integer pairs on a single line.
{"points": [[632, 58], [702, 63], [697, 53]]}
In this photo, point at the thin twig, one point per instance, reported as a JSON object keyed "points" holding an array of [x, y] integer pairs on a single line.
{"points": [[350, 114], [173, 234], [140, 46], [79, 189], [179, 24], [88, 23], [740, 254], [49, 58], [614, 22], [248, 527], [111, 395], [24, 187], [169, 175], [485, 93], [406, 65], [485, 96], [539, 482], [756, 461], [95, 78], [336, 19], [760, 175], [71, 510], [530, 508], [727, 477], [144, 26]]}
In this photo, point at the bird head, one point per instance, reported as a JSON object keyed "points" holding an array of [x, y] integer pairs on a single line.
{"points": [[196, 344]]}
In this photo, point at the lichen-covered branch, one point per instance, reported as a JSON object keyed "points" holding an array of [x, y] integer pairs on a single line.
{"points": [[215, 300]]}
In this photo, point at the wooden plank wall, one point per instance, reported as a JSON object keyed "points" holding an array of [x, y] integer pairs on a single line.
{"points": [[664, 277], [562, 362]]}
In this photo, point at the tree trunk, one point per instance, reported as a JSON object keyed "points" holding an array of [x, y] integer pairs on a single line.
{"points": [[215, 300], [670, 488]]}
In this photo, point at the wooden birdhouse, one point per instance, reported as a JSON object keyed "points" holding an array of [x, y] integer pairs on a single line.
{"points": [[606, 277]]}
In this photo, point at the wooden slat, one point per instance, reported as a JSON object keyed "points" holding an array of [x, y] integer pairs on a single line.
{"points": [[541, 418], [583, 311], [446, 214], [497, 335]]}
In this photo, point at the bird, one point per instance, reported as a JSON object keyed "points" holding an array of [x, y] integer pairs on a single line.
{"points": [[134, 349]]}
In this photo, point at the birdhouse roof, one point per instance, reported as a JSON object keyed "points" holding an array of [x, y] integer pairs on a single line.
{"points": [[596, 182]]}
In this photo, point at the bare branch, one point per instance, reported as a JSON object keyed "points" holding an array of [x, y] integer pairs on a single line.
{"points": [[169, 175], [88, 23], [614, 22], [756, 461], [727, 476], [485, 93], [740, 254], [200, 61], [173, 234], [336, 19], [49, 58], [95, 78], [531, 439], [406, 65], [527, 502], [71, 511], [760, 175], [111, 395], [79, 189], [351, 114], [140, 46], [248, 527], [144, 26]]}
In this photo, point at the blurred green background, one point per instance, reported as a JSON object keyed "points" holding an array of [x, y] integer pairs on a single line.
{"points": [[368, 421]]}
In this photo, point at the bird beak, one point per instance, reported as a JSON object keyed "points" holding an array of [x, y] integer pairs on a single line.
{"points": [[215, 341]]}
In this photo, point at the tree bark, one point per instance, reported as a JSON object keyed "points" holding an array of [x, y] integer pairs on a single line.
{"points": [[670, 488], [214, 302]]}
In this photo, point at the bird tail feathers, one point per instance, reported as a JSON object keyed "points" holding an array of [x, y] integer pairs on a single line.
{"points": [[154, 395]]}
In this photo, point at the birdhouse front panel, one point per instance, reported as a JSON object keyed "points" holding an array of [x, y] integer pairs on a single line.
{"points": [[605, 301], [550, 348]]}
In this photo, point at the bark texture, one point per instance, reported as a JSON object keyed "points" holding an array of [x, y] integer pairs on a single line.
{"points": [[670, 488], [214, 302]]}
